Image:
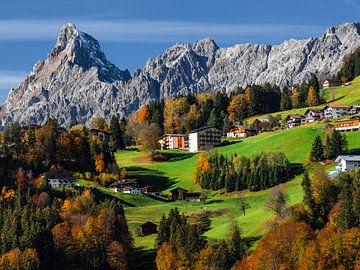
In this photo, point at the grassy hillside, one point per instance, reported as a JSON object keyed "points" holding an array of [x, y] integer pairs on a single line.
{"points": [[177, 171], [347, 95]]}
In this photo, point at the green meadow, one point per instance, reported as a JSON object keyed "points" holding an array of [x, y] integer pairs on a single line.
{"points": [[177, 171]]}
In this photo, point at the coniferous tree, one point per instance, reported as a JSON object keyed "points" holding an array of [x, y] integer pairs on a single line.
{"points": [[285, 103], [317, 150], [116, 133], [346, 217]]}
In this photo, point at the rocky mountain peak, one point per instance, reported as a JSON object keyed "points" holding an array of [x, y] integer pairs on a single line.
{"points": [[77, 82], [74, 47]]}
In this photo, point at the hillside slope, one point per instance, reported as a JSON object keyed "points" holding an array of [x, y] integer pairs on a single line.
{"points": [[178, 171]]}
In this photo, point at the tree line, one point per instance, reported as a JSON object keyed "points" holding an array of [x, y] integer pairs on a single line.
{"points": [[334, 144], [215, 171]]}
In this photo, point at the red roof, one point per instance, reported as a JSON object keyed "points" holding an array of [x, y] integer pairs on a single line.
{"points": [[337, 107]]}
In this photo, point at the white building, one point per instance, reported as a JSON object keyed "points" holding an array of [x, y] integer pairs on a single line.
{"points": [[346, 163], [59, 183], [333, 111], [173, 141], [204, 138]]}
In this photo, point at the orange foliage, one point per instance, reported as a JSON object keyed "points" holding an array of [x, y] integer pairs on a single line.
{"points": [[15, 259], [7, 195], [280, 248], [100, 163], [143, 114], [166, 258]]}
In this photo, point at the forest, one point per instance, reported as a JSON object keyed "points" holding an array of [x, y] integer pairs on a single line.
{"points": [[235, 173]]}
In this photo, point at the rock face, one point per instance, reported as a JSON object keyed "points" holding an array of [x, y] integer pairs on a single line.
{"points": [[77, 82]]}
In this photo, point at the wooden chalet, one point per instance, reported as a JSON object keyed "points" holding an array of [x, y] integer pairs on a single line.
{"points": [[146, 229], [178, 193], [240, 131]]}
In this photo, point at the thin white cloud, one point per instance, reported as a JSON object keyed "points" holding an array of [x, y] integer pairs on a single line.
{"points": [[11, 79], [149, 30], [354, 3]]}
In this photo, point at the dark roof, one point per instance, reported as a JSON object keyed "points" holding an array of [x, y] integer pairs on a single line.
{"points": [[174, 135], [262, 120], [241, 126], [152, 188], [317, 110], [99, 130], [295, 116], [147, 224], [178, 188], [336, 107], [201, 129], [193, 194]]}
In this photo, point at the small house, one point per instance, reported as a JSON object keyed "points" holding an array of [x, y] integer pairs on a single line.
{"points": [[313, 114], [334, 111], [294, 120], [240, 131], [261, 124], [173, 141], [331, 83], [58, 178], [146, 229], [355, 109], [178, 193], [347, 162], [193, 196], [102, 135], [151, 190], [347, 125], [204, 138]]}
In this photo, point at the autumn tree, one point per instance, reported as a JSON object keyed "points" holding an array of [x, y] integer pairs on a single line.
{"points": [[148, 137], [143, 114], [98, 123], [238, 108], [313, 98]]}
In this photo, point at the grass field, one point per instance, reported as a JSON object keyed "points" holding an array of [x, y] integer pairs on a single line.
{"points": [[177, 171]]}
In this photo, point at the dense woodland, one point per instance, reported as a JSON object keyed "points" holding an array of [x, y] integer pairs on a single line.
{"points": [[234, 173]]}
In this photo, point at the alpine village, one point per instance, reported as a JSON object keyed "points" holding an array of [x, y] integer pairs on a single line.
{"points": [[256, 176]]}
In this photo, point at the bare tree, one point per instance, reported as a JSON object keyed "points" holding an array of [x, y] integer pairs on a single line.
{"points": [[243, 204], [276, 202]]}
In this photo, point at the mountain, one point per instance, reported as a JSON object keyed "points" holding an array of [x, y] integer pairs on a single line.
{"points": [[77, 82]]}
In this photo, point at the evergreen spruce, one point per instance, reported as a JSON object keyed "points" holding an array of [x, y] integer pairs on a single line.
{"points": [[116, 133], [317, 150]]}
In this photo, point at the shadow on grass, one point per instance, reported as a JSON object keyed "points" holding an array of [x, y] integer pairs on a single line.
{"points": [[147, 176], [213, 201], [102, 196], [355, 151], [144, 259], [173, 157], [296, 169], [226, 142], [252, 239]]}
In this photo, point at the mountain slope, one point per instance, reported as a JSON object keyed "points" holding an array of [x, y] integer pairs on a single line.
{"points": [[77, 82]]}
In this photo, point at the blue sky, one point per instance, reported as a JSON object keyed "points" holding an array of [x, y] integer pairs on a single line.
{"points": [[132, 31]]}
